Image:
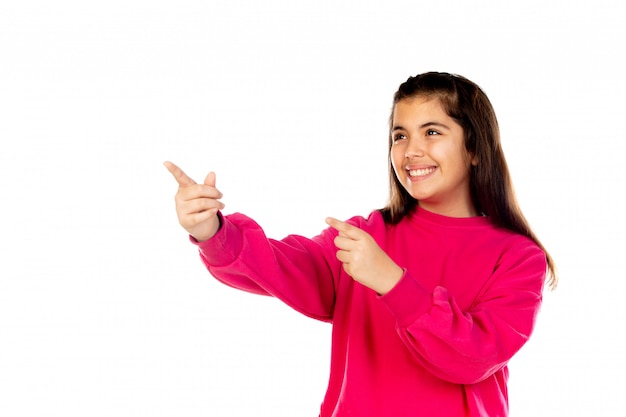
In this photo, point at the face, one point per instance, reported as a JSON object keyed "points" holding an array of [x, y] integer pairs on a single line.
{"points": [[429, 157]]}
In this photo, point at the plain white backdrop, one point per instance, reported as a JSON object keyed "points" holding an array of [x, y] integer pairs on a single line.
{"points": [[105, 308]]}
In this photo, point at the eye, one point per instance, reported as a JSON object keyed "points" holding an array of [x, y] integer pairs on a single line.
{"points": [[399, 136], [431, 132]]}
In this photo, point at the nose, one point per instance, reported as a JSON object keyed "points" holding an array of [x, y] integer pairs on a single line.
{"points": [[414, 149]]}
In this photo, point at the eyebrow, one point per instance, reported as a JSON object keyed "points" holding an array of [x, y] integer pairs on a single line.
{"points": [[424, 125]]}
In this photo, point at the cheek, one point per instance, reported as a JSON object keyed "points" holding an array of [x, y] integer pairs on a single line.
{"points": [[396, 164], [396, 160], [468, 159]]}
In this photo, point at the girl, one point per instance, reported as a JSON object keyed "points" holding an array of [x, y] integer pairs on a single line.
{"points": [[429, 297]]}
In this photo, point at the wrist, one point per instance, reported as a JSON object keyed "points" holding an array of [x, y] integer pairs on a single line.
{"points": [[211, 230], [390, 280]]}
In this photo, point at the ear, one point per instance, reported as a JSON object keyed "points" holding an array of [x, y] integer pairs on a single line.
{"points": [[473, 159]]}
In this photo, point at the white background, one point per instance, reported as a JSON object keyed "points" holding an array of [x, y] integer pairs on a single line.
{"points": [[105, 308]]}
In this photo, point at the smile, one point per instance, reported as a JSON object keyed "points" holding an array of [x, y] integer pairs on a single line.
{"points": [[422, 172]]}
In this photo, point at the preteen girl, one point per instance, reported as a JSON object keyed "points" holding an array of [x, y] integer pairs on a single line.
{"points": [[429, 297]]}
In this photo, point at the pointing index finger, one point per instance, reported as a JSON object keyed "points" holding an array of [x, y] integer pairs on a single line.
{"points": [[343, 228], [181, 178]]}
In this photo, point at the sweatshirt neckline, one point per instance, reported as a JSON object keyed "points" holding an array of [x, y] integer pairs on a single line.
{"points": [[420, 214]]}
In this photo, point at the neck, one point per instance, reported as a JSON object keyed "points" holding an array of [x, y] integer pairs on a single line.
{"points": [[450, 211]]}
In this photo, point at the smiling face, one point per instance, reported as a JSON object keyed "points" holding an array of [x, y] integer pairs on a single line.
{"points": [[429, 158]]}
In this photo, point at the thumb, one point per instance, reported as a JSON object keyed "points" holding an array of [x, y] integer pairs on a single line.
{"points": [[210, 179]]}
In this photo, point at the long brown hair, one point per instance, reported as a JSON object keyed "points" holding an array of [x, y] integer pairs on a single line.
{"points": [[490, 182]]}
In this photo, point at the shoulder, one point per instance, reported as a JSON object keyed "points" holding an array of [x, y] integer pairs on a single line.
{"points": [[498, 240], [509, 241], [519, 253]]}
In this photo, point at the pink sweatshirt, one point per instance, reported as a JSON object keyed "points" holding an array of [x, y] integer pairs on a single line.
{"points": [[437, 344]]}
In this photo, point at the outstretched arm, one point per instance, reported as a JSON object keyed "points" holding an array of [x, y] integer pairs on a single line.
{"points": [[297, 270]]}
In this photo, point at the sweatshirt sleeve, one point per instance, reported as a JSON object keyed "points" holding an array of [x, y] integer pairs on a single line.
{"points": [[465, 347], [299, 271]]}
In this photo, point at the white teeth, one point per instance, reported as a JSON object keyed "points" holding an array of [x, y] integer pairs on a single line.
{"points": [[420, 172]]}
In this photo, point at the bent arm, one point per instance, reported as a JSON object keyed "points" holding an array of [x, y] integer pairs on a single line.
{"points": [[466, 347]]}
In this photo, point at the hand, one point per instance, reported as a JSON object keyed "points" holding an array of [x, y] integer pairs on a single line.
{"points": [[363, 259], [197, 204]]}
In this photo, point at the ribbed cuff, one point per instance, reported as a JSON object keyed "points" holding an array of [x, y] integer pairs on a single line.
{"points": [[224, 247], [407, 300]]}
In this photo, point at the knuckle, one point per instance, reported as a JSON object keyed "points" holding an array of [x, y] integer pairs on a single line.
{"points": [[200, 204]]}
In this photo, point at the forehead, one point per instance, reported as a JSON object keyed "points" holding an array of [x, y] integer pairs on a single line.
{"points": [[419, 110], [419, 104]]}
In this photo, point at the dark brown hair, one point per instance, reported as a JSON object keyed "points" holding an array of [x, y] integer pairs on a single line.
{"points": [[490, 182]]}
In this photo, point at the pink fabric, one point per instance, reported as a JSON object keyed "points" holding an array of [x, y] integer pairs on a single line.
{"points": [[437, 344]]}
